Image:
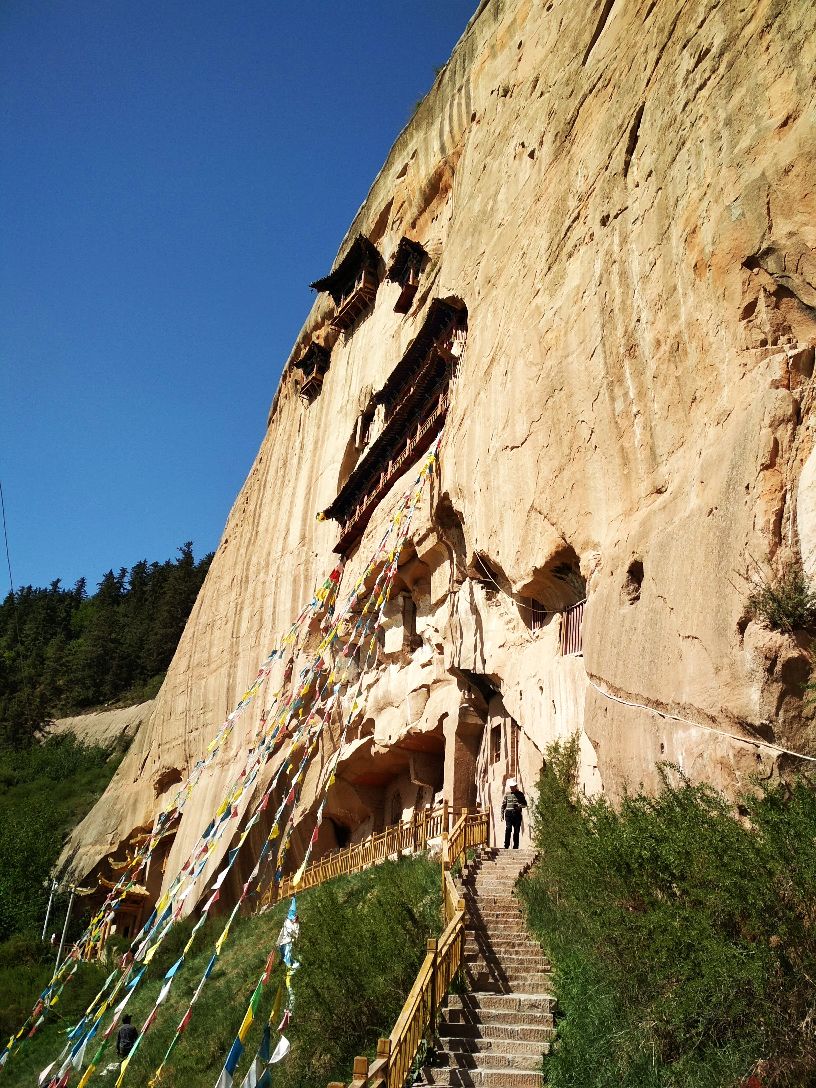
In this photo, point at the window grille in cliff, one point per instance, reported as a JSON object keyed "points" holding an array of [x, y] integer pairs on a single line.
{"points": [[572, 629], [414, 400], [409, 626], [515, 731], [313, 364], [405, 270], [353, 284], [495, 744], [537, 614]]}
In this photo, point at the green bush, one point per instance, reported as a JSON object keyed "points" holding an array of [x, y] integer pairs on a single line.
{"points": [[787, 601], [682, 934]]}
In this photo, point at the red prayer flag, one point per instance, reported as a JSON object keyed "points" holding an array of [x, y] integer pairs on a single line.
{"points": [[270, 963]]}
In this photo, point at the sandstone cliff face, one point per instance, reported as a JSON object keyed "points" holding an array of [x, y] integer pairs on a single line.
{"points": [[622, 196]]}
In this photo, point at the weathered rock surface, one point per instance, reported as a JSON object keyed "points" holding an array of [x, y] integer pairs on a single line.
{"points": [[104, 727], [622, 195]]}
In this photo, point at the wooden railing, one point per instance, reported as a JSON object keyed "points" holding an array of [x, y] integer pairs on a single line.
{"points": [[572, 633], [396, 1054], [413, 449], [411, 835]]}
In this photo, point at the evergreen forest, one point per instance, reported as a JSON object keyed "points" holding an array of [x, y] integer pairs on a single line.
{"points": [[65, 650]]}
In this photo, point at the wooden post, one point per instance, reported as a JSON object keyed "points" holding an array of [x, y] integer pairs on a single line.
{"points": [[433, 945], [445, 868], [360, 1074], [383, 1061], [383, 1048], [444, 815]]}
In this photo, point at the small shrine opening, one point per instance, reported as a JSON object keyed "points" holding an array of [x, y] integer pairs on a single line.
{"points": [[353, 284], [405, 270], [313, 364]]}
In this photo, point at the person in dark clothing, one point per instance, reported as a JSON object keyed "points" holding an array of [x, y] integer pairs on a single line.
{"points": [[512, 804], [126, 1038]]}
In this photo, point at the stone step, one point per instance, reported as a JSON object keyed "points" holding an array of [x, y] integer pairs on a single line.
{"points": [[504, 1002], [489, 918], [487, 981], [514, 956], [520, 950], [527, 1061], [501, 942], [499, 1017], [501, 938], [529, 1033], [507, 964], [523, 966], [482, 1078], [502, 946], [496, 902], [492, 913], [480, 1045]]}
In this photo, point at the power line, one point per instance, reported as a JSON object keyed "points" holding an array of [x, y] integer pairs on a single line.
{"points": [[11, 579], [5, 536]]}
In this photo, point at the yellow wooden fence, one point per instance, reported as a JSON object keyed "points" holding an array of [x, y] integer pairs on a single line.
{"points": [[396, 1054], [409, 836]]}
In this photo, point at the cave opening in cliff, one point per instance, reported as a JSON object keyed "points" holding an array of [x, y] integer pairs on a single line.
{"points": [[342, 834]]}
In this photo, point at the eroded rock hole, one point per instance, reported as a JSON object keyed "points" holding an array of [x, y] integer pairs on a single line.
{"points": [[633, 581], [166, 779]]}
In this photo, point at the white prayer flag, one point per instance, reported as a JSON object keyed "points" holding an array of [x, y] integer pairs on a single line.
{"points": [[280, 1051], [254, 1074], [44, 1075]]}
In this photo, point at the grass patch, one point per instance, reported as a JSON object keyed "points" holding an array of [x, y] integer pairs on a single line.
{"points": [[682, 935], [361, 944]]}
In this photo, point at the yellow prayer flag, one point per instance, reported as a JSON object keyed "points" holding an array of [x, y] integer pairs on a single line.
{"points": [[219, 944], [122, 1071], [243, 1030], [296, 879], [274, 1012], [86, 1076]]}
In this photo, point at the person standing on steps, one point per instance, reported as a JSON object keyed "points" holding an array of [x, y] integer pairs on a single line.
{"points": [[512, 804]]}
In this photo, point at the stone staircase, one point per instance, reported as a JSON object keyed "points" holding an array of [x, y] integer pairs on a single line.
{"points": [[496, 1034]]}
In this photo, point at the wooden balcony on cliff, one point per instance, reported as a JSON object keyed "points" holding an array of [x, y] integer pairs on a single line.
{"points": [[418, 442], [313, 363], [353, 284], [406, 268], [416, 398]]}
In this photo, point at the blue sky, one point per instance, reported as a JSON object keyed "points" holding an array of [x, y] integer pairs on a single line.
{"points": [[173, 174]]}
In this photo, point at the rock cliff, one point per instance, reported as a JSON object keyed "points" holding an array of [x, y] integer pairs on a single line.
{"points": [[620, 199]]}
